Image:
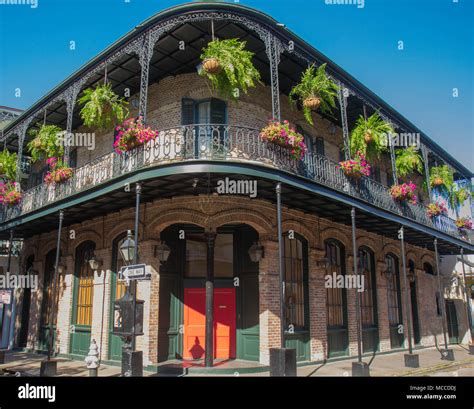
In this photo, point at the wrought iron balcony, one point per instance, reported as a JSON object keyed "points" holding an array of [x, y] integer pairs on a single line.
{"points": [[222, 143]]}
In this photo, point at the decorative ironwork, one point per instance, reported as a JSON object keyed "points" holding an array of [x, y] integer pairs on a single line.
{"points": [[393, 159], [342, 94], [218, 142], [425, 152]]}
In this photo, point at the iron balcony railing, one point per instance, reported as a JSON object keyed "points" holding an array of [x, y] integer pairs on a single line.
{"points": [[222, 143]]}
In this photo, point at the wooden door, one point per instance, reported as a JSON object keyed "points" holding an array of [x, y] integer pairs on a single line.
{"points": [[195, 323]]}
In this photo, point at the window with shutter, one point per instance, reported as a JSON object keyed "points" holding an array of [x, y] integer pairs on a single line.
{"points": [[320, 146]]}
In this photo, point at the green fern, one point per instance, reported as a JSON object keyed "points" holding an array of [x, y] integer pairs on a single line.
{"points": [[8, 162], [407, 161], [45, 143], [315, 83], [444, 174], [103, 108], [238, 72], [379, 131]]}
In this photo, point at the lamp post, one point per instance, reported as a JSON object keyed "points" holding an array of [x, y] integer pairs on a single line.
{"points": [[125, 315]]}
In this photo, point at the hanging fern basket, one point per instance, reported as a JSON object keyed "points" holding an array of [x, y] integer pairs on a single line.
{"points": [[437, 182], [212, 66], [368, 137], [312, 103]]}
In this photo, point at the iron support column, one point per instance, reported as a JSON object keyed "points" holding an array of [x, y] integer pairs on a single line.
{"points": [[281, 267], [209, 352], [273, 50], [356, 272], [145, 55], [342, 94], [468, 299], [424, 151], [55, 284], [406, 284], [393, 160], [441, 295], [133, 284]]}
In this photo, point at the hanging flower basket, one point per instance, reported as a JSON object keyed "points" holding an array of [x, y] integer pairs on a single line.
{"points": [[464, 224], [437, 182], [404, 193], [131, 134], [436, 209], [312, 103], [59, 172], [368, 137], [212, 65], [283, 135], [355, 168], [10, 194]]}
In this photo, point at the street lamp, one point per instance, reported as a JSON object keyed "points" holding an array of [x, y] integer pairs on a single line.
{"points": [[127, 248], [255, 252], [162, 251], [95, 263]]}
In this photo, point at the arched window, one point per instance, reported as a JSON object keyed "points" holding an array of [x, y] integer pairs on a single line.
{"points": [[295, 258], [395, 317], [368, 299], [84, 284], [336, 302], [428, 269]]}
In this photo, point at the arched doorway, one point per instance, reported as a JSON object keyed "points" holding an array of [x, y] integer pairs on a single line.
{"points": [[82, 299], [368, 305], [181, 332], [47, 301], [394, 297], [336, 302]]}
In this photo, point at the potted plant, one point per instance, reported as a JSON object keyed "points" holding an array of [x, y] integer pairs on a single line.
{"points": [[59, 172], [132, 133], [457, 196], [229, 67], [8, 164], [407, 161], [315, 90], [282, 134], [46, 142], [436, 209], [370, 136], [10, 194], [404, 192], [357, 167], [102, 107], [463, 224]]}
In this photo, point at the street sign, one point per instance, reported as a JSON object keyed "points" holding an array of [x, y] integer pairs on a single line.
{"points": [[5, 296], [135, 272]]}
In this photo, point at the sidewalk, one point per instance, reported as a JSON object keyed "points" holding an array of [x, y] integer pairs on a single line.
{"points": [[393, 365], [28, 364]]}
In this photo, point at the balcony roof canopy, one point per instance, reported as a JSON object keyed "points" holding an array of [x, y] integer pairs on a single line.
{"points": [[168, 59]]}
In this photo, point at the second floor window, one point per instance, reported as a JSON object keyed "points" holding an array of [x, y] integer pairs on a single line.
{"points": [[203, 112]]}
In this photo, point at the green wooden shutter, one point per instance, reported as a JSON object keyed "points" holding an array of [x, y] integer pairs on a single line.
{"points": [[218, 111], [187, 111], [320, 146]]}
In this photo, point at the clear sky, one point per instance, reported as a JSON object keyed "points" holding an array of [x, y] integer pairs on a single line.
{"points": [[418, 81]]}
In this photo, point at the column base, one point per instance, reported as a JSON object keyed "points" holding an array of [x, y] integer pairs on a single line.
{"points": [[471, 349], [412, 360], [132, 363], [49, 368], [360, 369], [3, 353], [447, 354], [282, 362]]}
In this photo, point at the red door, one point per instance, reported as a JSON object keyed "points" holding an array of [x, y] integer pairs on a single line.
{"points": [[195, 323]]}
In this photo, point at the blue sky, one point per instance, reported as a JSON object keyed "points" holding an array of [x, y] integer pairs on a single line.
{"points": [[438, 54]]}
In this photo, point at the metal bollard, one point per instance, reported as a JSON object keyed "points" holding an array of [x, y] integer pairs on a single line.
{"points": [[92, 360]]}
